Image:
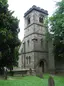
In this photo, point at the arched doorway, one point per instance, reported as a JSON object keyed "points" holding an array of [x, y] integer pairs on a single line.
{"points": [[42, 63]]}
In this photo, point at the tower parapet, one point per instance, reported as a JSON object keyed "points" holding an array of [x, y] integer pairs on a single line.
{"points": [[36, 9]]}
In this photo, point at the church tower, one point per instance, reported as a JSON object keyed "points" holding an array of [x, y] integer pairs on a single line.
{"points": [[34, 48]]}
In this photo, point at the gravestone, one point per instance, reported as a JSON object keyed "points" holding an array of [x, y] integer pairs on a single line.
{"points": [[5, 73], [51, 81]]}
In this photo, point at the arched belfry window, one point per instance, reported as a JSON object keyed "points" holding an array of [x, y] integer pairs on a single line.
{"points": [[28, 42], [28, 20], [41, 18]]}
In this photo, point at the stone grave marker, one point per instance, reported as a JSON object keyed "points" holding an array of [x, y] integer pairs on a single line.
{"points": [[51, 81], [5, 73]]}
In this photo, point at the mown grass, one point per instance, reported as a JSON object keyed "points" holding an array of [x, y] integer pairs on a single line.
{"points": [[32, 81]]}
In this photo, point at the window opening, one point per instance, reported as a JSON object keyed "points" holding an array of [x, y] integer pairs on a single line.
{"points": [[28, 42], [41, 19], [28, 20]]}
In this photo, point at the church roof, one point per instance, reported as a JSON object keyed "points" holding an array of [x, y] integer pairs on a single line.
{"points": [[37, 9]]}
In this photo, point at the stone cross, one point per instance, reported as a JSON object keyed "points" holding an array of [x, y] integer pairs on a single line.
{"points": [[51, 81]]}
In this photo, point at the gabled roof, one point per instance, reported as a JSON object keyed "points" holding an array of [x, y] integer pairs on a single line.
{"points": [[37, 9]]}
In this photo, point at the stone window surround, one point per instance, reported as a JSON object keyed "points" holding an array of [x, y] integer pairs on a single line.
{"points": [[28, 20], [28, 58], [41, 18]]}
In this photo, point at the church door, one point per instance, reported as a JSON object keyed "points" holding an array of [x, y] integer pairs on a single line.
{"points": [[42, 65]]}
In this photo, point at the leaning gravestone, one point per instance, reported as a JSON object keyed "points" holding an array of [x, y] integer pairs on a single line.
{"points": [[39, 72], [51, 81]]}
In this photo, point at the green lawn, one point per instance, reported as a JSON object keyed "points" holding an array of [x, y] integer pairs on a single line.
{"points": [[31, 81]]}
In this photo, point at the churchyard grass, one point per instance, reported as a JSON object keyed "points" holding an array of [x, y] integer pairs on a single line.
{"points": [[31, 81]]}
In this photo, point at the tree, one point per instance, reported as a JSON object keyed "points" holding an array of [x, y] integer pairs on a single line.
{"points": [[57, 28], [9, 30]]}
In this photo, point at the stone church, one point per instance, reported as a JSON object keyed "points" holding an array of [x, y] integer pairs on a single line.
{"points": [[35, 50]]}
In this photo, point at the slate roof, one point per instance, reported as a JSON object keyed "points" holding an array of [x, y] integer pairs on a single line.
{"points": [[37, 9]]}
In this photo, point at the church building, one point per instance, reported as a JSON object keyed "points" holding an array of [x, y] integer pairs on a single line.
{"points": [[35, 50]]}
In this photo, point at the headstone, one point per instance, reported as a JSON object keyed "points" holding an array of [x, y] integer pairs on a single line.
{"points": [[51, 81], [5, 73]]}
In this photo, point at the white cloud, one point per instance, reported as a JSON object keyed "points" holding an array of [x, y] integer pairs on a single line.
{"points": [[21, 6]]}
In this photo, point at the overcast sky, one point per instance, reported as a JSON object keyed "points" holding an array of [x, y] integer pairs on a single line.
{"points": [[21, 6]]}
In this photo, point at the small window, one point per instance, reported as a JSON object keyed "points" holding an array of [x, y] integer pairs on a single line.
{"points": [[22, 59], [41, 42], [28, 20], [29, 59], [28, 42], [22, 50], [41, 19]]}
